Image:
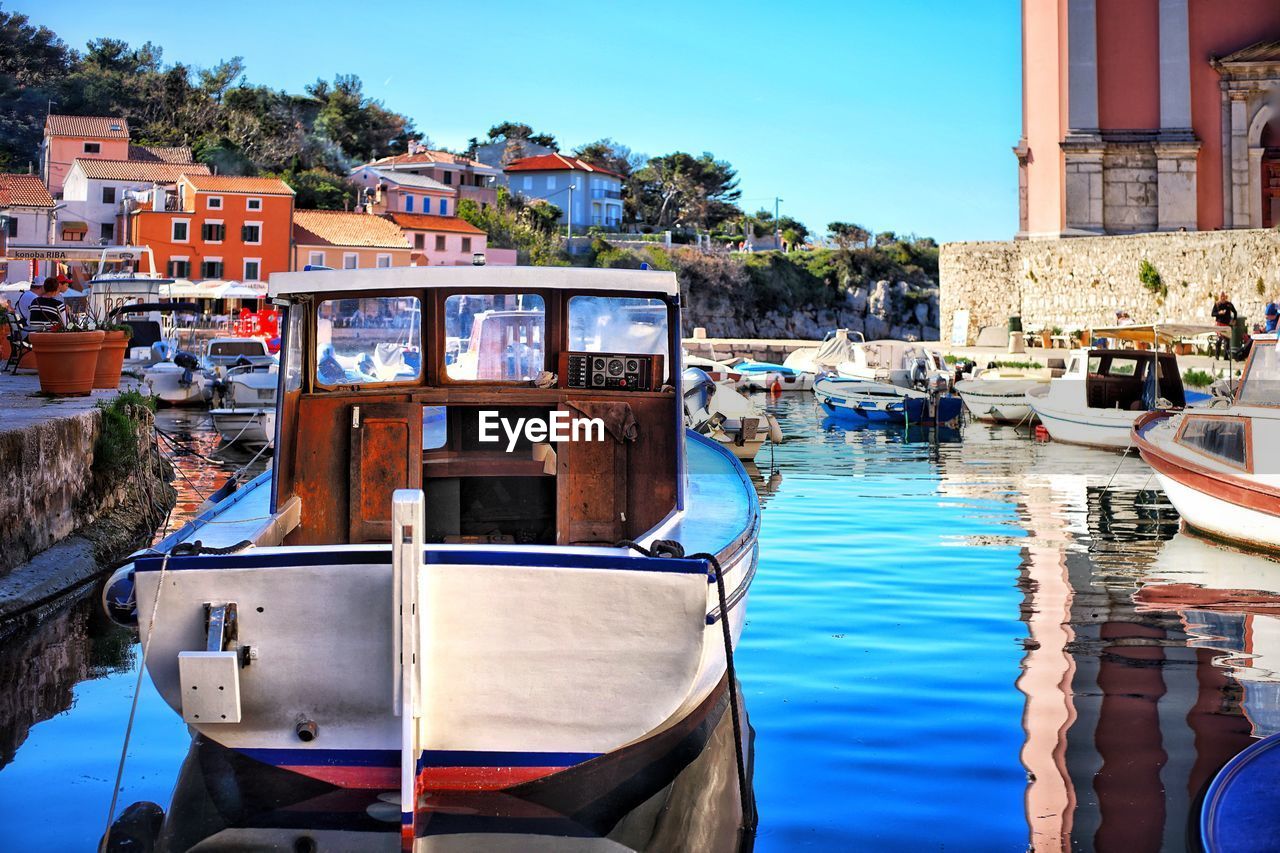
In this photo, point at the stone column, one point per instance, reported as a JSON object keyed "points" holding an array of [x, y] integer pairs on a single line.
{"points": [[1176, 145], [1175, 66], [1084, 184], [1082, 66], [1082, 146], [1241, 206]]}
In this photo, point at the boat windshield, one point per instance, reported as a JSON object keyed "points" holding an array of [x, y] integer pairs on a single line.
{"points": [[368, 341], [1261, 383], [494, 337], [618, 324]]}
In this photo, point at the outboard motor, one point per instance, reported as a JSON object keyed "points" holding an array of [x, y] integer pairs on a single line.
{"points": [[163, 351], [189, 364], [919, 373]]}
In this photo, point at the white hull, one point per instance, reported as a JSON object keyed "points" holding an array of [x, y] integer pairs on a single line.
{"points": [[1223, 519], [1109, 428], [546, 659], [253, 427], [164, 380], [785, 382], [996, 401]]}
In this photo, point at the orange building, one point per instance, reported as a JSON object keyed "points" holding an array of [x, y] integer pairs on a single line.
{"points": [[344, 240], [216, 227], [1149, 115]]}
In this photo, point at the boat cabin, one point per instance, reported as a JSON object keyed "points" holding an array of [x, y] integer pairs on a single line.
{"points": [[1133, 380], [531, 405]]}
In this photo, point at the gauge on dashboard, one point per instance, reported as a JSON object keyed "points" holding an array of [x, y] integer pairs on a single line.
{"points": [[610, 371]]}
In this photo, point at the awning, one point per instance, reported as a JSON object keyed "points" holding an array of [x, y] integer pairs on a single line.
{"points": [[1163, 333], [72, 225]]}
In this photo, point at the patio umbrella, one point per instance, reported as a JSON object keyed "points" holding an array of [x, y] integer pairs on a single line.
{"points": [[242, 290]]}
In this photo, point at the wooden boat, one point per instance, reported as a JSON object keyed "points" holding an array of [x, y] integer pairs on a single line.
{"points": [[720, 412], [1104, 391], [403, 602], [999, 395], [1220, 465]]}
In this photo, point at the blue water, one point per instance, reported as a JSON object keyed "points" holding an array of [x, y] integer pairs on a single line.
{"points": [[888, 626]]}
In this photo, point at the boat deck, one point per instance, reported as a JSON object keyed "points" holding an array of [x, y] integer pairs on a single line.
{"points": [[720, 509]]}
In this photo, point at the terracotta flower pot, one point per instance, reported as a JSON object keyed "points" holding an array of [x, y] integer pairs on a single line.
{"points": [[110, 360], [1086, 337], [66, 361], [6, 349]]}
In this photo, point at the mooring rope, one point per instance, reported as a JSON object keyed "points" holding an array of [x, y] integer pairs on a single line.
{"points": [[673, 549], [133, 707]]}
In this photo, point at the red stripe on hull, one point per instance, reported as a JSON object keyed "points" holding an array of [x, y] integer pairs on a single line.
{"points": [[429, 779]]}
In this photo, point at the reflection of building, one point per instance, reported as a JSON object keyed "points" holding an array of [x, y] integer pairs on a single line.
{"points": [[1146, 115]]}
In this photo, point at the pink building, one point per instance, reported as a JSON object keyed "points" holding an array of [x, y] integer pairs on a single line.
{"points": [[465, 178], [440, 240], [1149, 115], [68, 138]]}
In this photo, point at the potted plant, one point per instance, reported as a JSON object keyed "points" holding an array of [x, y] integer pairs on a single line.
{"points": [[67, 358], [111, 357], [1046, 337]]}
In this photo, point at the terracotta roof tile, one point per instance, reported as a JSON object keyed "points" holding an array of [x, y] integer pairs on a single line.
{"points": [[409, 179], [556, 163], [204, 182], [341, 228], [442, 157], [24, 191], [98, 127], [138, 170], [161, 154], [428, 222]]}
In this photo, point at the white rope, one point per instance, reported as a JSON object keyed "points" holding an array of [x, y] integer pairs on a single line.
{"points": [[133, 708]]}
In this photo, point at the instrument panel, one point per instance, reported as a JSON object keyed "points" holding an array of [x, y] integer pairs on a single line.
{"points": [[610, 371]]}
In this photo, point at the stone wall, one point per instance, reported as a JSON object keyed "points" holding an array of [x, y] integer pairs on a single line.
{"points": [[1080, 282]]}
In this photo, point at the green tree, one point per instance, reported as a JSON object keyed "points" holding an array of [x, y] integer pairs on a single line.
{"points": [[517, 130], [682, 189], [848, 235], [34, 63], [321, 189]]}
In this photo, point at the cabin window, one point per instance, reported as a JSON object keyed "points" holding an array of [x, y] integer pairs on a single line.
{"points": [[435, 427], [294, 318], [1225, 439], [618, 324], [1261, 383], [368, 341], [494, 337]]}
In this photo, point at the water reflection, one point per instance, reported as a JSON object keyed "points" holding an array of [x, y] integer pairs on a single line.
{"points": [[686, 801]]}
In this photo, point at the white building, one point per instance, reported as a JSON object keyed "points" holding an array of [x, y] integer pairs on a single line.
{"points": [[27, 209], [93, 192], [587, 195]]}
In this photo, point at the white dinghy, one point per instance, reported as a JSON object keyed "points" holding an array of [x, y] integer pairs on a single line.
{"points": [[489, 556]]}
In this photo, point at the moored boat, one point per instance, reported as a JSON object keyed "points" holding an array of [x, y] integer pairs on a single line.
{"points": [[460, 574], [723, 414], [1104, 391], [767, 376], [1220, 465], [999, 395]]}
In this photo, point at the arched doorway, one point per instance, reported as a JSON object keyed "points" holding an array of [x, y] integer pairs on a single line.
{"points": [[1270, 183]]}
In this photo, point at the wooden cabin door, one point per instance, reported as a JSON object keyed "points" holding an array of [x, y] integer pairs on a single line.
{"points": [[591, 481], [386, 454]]}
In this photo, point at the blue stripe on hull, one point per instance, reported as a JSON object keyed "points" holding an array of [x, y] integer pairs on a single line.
{"points": [[541, 559]]}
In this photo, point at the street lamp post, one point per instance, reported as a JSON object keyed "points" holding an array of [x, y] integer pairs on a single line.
{"points": [[568, 222], [777, 229]]}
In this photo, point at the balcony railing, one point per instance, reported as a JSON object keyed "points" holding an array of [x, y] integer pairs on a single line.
{"points": [[599, 193]]}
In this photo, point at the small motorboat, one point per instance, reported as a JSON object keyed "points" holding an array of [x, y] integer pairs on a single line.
{"points": [[178, 379], [720, 412], [999, 395], [1103, 392], [244, 404], [880, 402], [719, 371], [223, 353], [1220, 464], [466, 574], [835, 349], [767, 376]]}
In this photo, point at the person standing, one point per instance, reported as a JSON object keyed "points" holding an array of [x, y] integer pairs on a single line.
{"points": [[1224, 316]]}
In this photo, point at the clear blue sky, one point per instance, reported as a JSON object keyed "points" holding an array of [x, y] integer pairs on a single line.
{"points": [[896, 115]]}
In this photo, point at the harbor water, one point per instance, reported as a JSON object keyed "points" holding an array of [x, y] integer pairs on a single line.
{"points": [[965, 641]]}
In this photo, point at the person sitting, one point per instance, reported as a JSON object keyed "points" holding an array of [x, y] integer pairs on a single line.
{"points": [[48, 308]]}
